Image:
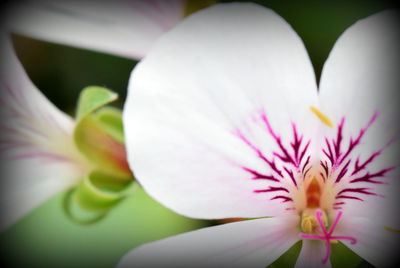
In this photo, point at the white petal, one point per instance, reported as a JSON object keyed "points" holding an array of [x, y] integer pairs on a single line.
{"points": [[203, 82], [374, 243], [360, 75], [311, 255], [28, 183], [38, 157], [382, 209], [253, 243], [124, 28], [360, 79]]}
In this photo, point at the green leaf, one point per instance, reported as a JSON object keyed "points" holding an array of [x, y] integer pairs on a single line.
{"points": [[47, 238], [341, 257], [344, 257], [289, 258], [92, 98]]}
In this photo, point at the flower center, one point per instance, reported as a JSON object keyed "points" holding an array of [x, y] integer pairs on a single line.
{"points": [[327, 235], [309, 222], [314, 221]]}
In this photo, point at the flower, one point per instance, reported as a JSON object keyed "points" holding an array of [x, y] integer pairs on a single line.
{"points": [[124, 28], [44, 151], [38, 155], [232, 125]]}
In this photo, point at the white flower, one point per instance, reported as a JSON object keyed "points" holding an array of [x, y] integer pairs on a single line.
{"points": [[126, 28], [232, 125], [38, 155]]}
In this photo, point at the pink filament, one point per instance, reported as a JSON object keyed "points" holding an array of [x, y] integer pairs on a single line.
{"points": [[327, 235]]}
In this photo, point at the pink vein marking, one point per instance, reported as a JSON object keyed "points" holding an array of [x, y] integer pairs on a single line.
{"points": [[354, 143], [285, 198], [329, 154], [259, 176], [286, 157], [342, 172], [334, 151], [358, 190], [271, 163], [325, 167], [368, 176], [272, 189], [348, 197], [339, 138], [358, 167], [305, 164], [327, 235], [290, 173]]}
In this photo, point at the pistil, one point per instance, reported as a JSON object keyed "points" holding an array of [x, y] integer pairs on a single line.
{"points": [[327, 235]]}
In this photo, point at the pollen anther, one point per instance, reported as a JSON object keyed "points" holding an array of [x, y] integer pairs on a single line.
{"points": [[309, 222], [321, 116]]}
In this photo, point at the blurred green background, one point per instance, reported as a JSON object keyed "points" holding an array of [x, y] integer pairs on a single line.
{"points": [[46, 237]]}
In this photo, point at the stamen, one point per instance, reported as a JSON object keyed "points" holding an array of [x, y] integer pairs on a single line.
{"points": [[327, 235], [324, 118], [387, 228]]}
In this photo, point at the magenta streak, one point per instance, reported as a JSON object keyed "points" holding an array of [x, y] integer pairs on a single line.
{"points": [[325, 167], [290, 173], [339, 138], [272, 189], [367, 177], [327, 235], [339, 203], [259, 176], [305, 164], [358, 167], [358, 190], [296, 143], [286, 156], [329, 154], [285, 198], [348, 197], [271, 163], [333, 150], [323, 176], [342, 172], [290, 155], [305, 173], [304, 152], [354, 143]]}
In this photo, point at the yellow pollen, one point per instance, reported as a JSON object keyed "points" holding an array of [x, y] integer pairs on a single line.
{"points": [[192, 6], [309, 223], [387, 228], [324, 118]]}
